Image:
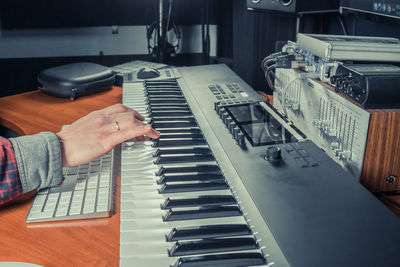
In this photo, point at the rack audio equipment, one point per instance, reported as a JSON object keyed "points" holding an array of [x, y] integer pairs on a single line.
{"points": [[373, 86], [388, 8], [365, 142]]}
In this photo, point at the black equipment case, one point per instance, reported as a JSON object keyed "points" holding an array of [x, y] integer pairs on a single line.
{"points": [[75, 80]]}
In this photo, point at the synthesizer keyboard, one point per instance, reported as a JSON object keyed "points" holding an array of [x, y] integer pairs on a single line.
{"points": [[231, 182]]}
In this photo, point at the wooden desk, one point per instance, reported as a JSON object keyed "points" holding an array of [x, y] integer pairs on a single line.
{"points": [[92, 242]]}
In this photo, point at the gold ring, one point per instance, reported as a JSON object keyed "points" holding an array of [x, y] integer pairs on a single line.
{"points": [[117, 125]]}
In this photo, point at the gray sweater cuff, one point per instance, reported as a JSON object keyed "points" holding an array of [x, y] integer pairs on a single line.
{"points": [[39, 160]]}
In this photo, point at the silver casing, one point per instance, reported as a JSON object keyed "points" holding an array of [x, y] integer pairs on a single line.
{"points": [[360, 48], [335, 124]]}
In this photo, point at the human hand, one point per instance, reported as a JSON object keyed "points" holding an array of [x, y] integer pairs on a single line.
{"points": [[98, 132]]}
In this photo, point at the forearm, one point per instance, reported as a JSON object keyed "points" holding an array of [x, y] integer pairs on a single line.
{"points": [[28, 163], [39, 160], [10, 184]]}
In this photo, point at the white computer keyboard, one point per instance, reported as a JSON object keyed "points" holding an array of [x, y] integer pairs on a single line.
{"points": [[86, 192]]}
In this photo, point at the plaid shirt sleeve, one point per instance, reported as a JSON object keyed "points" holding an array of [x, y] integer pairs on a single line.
{"points": [[10, 183]]}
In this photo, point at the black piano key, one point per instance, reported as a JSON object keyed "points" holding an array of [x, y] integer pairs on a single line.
{"points": [[160, 87], [222, 260], [186, 169], [208, 231], [194, 150], [183, 124], [162, 84], [157, 85], [184, 248], [174, 100], [161, 106], [207, 200], [165, 93], [158, 98], [178, 131], [164, 136], [177, 142], [190, 177], [167, 188], [183, 159], [173, 119], [202, 213], [156, 114]]}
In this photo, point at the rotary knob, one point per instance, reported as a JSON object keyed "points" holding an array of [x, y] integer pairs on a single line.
{"points": [[273, 155]]}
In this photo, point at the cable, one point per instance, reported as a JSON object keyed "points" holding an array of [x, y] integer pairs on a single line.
{"points": [[167, 27], [342, 24], [392, 201], [270, 77]]}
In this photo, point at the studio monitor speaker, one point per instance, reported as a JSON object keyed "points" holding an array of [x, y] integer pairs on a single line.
{"points": [[293, 6]]}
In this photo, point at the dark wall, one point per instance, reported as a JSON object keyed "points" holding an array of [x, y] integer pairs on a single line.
{"points": [[22, 14], [19, 75], [254, 36], [244, 37]]}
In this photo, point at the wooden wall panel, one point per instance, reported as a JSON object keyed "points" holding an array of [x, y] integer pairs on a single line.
{"points": [[382, 153]]}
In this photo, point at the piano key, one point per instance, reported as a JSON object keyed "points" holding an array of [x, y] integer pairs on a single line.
{"points": [[174, 100], [164, 86], [190, 177], [140, 225], [194, 150], [178, 142], [202, 213], [173, 119], [207, 200], [178, 131], [188, 169], [182, 124], [161, 106], [167, 85], [164, 93], [184, 248], [222, 260], [173, 159], [163, 83], [208, 231], [165, 136], [156, 114], [192, 187]]}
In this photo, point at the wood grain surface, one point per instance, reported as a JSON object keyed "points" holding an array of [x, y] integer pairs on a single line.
{"points": [[382, 152]]}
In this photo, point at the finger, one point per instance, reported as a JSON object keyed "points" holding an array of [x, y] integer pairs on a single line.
{"points": [[119, 108], [145, 130], [133, 132]]}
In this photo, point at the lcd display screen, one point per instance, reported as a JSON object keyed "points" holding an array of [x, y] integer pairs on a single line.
{"points": [[259, 127]]}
